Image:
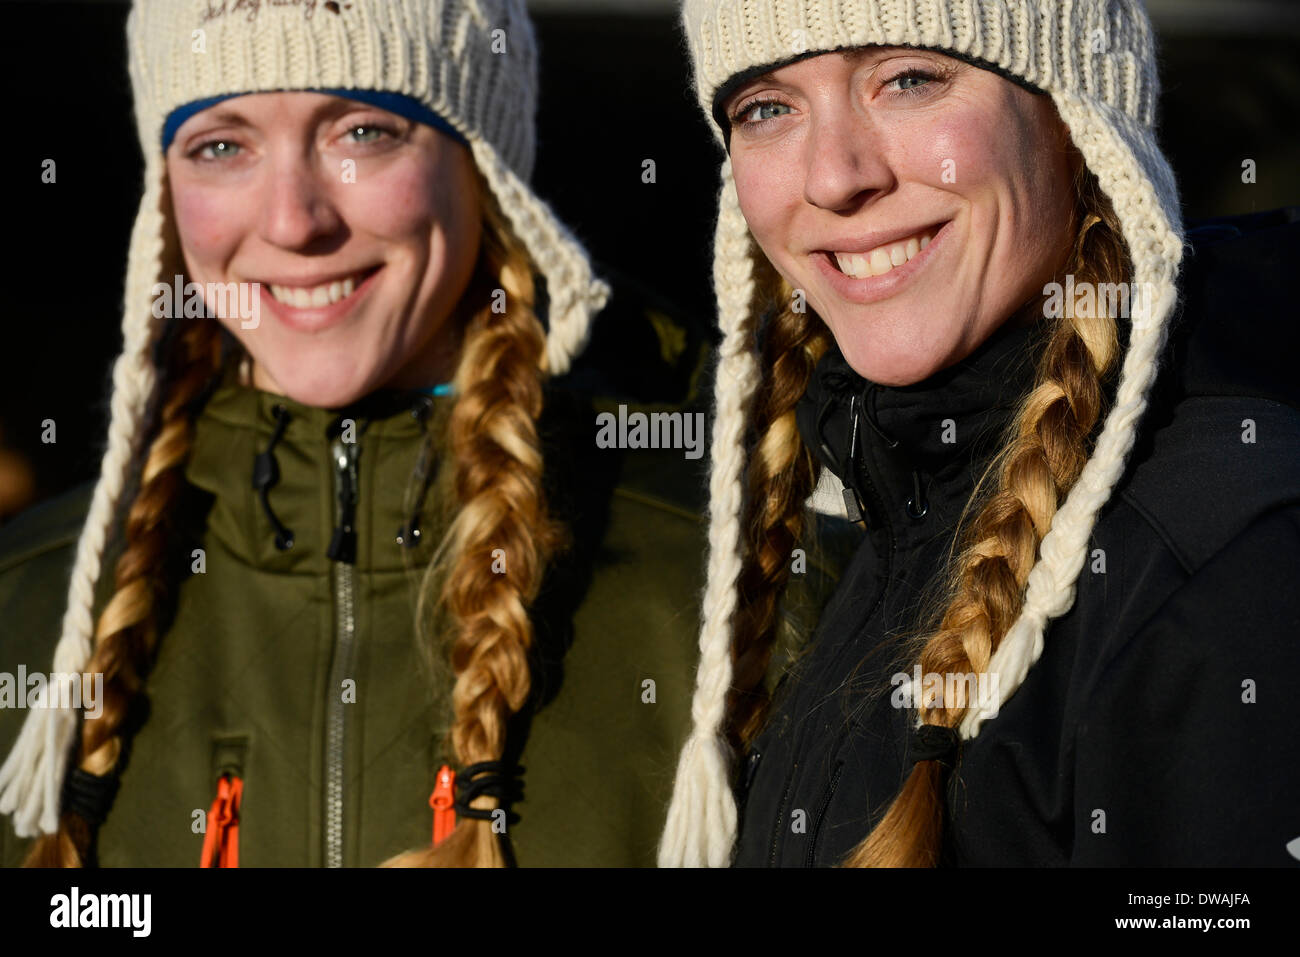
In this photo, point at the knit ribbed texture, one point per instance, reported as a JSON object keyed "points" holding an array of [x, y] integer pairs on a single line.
{"points": [[448, 55], [1096, 59]]}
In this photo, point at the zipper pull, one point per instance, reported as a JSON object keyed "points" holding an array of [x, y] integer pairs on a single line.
{"points": [[443, 800], [852, 504], [221, 842], [343, 543]]}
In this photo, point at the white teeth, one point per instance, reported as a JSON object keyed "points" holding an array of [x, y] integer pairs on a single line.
{"points": [[854, 265], [882, 259], [316, 296]]}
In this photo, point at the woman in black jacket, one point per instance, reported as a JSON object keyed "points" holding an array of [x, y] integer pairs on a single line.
{"points": [[967, 307]]}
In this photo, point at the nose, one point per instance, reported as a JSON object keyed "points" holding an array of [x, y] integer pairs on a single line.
{"points": [[846, 162], [298, 207]]}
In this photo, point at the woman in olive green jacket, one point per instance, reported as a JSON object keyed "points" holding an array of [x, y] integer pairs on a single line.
{"points": [[357, 526]]}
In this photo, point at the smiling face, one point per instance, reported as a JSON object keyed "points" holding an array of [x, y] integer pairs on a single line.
{"points": [[917, 201], [362, 264]]}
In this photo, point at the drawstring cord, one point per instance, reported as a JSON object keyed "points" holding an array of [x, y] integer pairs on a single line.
{"points": [[917, 506], [408, 534], [862, 407], [266, 472]]}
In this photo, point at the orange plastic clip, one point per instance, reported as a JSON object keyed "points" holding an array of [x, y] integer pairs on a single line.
{"points": [[221, 842], [443, 800]]}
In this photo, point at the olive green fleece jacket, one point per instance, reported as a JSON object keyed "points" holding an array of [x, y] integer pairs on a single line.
{"points": [[302, 674]]}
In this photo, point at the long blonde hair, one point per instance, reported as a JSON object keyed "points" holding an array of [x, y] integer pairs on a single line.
{"points": [[500, 504]]}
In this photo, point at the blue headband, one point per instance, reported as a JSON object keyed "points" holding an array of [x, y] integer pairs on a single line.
{"points": [[398, 103]]}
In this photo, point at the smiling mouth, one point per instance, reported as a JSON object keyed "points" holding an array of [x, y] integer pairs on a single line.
{"points": [[884, 258], [326, 294]]}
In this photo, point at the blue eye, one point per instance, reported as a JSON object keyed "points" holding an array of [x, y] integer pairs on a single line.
{"points": [[360, 133], [912, 80], [221, 148], [761, 107]]}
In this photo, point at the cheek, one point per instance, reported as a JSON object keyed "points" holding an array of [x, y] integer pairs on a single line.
{"points": [[397, 202], [1006, 169], [770, 192], [208, 222], [956, 154]]}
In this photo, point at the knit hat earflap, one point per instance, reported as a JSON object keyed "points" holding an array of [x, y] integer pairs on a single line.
{"points": [[470, 63], [1096, 60]]}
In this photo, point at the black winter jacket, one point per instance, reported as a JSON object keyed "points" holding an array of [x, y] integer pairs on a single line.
{"points": [[1159, 725]]}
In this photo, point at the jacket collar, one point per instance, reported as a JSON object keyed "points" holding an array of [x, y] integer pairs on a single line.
{"points": [[919, 448], [250, 444]]}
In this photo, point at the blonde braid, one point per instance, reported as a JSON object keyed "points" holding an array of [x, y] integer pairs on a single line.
{"points": [[126, 634], [986, 585], [499, 467], [782, 474]]}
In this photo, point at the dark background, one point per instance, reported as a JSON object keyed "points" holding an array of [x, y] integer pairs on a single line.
{"points": [[615, 91]]}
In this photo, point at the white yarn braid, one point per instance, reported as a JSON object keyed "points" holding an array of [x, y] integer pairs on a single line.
{"points": [[701, 825], [575, 296], [1156, 249], [31, 778]]}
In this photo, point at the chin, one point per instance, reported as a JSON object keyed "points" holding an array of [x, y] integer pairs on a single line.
{"points": [[891, 363], [320, 384]]}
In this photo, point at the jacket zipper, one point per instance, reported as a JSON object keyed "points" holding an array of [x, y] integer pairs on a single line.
{"points": [[343, 550], [821, 816], [778, 831], [857, 467]]}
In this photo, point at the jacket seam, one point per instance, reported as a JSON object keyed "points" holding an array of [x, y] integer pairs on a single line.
{"points": [[1161, 532], [651, 501], [35, 551], [1156, 526]]}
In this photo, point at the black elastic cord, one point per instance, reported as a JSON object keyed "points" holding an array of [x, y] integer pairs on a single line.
{"points": [[869, 394], [917, 506], [493, 778], [266, 473], [89, 796], [932, 742], [408, 535]]}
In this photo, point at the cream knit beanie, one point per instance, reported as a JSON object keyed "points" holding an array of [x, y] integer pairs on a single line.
{"points": [[472, 62], [1096, 59]]}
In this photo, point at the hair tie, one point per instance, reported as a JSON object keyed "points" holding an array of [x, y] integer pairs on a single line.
{"points": [[89, 796], [494, 778], [933, 742]]}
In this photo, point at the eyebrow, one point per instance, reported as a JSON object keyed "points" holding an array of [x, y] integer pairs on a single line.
{"points": [[229, 116]]}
